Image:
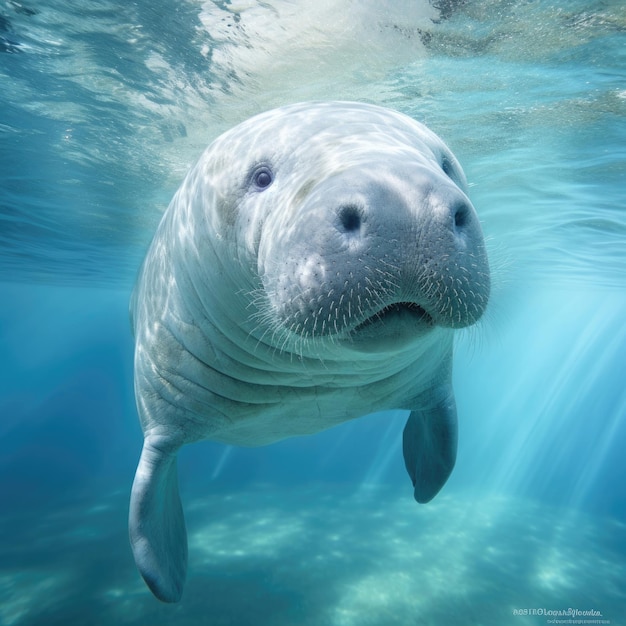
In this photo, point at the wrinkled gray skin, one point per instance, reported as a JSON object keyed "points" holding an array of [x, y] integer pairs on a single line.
{"points": [[312, 268]]}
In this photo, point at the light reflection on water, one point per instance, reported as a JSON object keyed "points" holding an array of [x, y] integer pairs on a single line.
{"points": [[105, 110]]}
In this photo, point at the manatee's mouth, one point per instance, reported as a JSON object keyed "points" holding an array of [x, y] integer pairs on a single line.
{"points": [[397, 312]]}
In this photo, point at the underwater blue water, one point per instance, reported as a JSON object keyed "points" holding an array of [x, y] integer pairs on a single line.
{"points": [[105, 105]]}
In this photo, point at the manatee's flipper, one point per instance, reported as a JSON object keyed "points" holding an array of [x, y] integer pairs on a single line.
{"points": [[429, 446], [156, 523]]}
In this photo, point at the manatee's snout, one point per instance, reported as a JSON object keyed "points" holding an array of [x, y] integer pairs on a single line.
{"points": [[408, 210], [381, 247]]}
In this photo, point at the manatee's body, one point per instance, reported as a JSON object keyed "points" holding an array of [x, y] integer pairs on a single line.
{"points": [[312, 268]]}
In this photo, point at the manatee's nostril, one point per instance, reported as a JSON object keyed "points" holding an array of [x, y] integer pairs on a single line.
{"points": [[350, 218], [461, 215]]}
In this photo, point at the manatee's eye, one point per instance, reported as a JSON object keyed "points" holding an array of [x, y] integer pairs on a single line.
{"points": [[262, 177], [447, 167]]}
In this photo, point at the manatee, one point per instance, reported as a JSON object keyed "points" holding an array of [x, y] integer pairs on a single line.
{"points": [[312, 268]]}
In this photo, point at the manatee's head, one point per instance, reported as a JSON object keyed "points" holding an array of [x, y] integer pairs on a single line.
{"points": [[353, 221]]}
